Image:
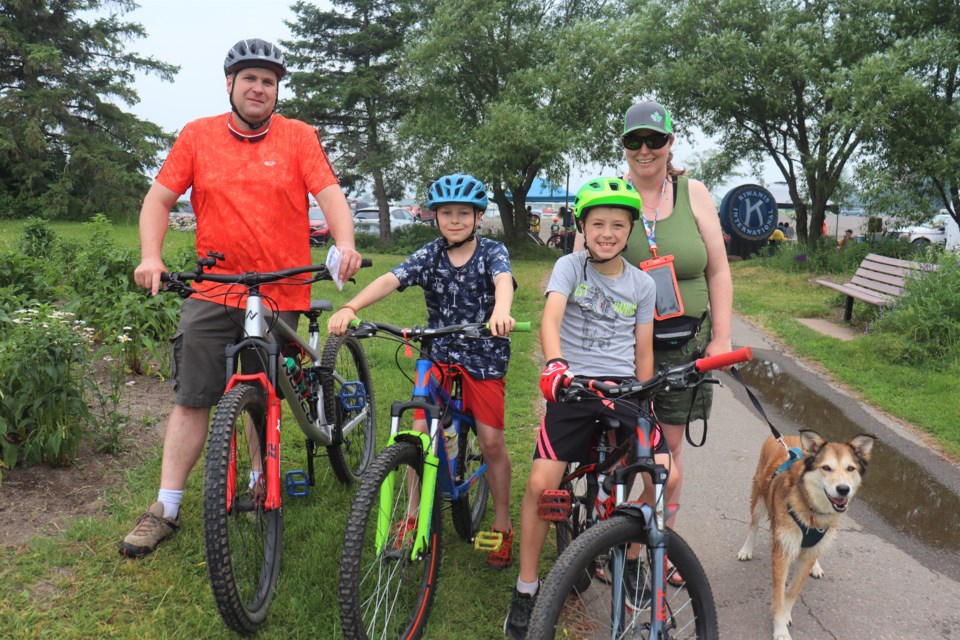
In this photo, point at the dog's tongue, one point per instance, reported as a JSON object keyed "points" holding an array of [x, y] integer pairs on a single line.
{"points": [[839, 503]]}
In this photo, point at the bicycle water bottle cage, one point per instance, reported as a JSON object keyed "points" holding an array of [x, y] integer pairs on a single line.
{"points": [[298, 485], [353, 396], [555, 505], [488, 541]]}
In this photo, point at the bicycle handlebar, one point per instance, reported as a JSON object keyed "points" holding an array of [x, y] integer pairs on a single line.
{"points": [[178, 281], [685, 376], [366, 329]]}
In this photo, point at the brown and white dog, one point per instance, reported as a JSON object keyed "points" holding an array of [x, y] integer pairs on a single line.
{"points": [[804, 501]]}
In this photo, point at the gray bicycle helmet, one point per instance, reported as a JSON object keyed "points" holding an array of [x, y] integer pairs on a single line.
{"points": [[254, 52]]}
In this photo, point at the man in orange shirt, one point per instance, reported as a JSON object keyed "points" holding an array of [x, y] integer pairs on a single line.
{"points": [[251, 172]]}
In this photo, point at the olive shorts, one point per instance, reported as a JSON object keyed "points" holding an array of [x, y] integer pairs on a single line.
{"points": [[674, 407], [199, 363]]}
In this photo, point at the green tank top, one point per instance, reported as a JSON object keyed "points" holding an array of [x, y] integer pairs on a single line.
{"points": [[679, 236]]}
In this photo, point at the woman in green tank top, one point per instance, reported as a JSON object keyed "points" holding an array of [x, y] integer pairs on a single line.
{"points": [[680, 220]]}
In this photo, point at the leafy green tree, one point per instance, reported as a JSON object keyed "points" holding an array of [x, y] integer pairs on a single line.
{"points": [[346, 82], [66, 149], [914, 165], [509, 90], [775, 80]]}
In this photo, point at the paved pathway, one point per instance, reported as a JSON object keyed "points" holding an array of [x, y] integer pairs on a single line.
{"points": [[877, 585]]}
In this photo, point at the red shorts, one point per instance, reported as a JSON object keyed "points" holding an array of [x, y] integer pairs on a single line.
{"points": [[483, 399]]}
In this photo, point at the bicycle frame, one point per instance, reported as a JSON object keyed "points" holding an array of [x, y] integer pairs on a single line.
{"points": [[438, 405], [260, 325]]}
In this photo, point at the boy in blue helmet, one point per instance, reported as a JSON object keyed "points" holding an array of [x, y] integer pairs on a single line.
{"points": [[465, 278]]}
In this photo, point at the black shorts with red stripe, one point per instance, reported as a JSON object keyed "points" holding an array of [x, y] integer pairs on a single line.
{"points": [[570, 431]]}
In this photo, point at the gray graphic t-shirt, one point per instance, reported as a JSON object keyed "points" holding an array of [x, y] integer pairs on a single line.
{"points": [[597, 332]]}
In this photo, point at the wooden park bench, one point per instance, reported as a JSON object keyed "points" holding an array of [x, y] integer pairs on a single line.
{"points": [[879, 280]]}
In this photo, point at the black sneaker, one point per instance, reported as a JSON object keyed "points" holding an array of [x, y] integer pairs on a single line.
{"points": [[635, 584], [515, 626]]}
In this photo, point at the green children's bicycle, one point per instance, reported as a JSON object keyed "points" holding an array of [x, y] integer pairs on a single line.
{"points": [[392, 547]]}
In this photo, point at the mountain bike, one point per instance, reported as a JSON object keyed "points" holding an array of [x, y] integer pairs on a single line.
{"points": [[391, 551], [595, 590], [330, 395]]}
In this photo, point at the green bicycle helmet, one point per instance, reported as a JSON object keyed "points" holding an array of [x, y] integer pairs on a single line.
{"points": [[606, 192]]}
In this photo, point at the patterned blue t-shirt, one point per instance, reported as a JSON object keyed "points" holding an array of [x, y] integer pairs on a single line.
{"points": [[457, 296]]}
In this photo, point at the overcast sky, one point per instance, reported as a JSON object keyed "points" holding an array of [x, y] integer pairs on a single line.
{"points": [[196, 35]]}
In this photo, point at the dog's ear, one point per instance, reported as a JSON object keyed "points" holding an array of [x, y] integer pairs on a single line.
{"points": [[862, 446], [811, 441]]}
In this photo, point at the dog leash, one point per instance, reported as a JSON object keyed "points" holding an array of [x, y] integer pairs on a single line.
{"points": [[791, 456]]}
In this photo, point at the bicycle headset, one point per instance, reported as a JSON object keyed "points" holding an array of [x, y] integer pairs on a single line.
{"points": [[605, 192], [458, 188], [254, 52]]}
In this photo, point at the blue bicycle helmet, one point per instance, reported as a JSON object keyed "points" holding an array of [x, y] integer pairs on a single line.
{"points": [[459, 188]]}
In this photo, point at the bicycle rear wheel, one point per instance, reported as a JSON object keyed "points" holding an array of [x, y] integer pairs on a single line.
{"points": [[468, 509], [385, 593], [346, 402], [555, 242], [690, 611], [243, 541]]}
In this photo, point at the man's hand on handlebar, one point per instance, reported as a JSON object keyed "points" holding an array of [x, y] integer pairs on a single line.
{"points": [[349, 263], [147, 274]]}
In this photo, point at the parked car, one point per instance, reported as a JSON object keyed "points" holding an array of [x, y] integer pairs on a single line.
{"points": [[931, 232], [319, 231], [368, 220]]}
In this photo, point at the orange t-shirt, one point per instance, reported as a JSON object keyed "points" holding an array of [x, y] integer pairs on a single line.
{"points": [[250, 199]]}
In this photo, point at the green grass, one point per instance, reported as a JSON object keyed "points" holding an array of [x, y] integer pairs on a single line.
{"points": [[920, 395], [77, 586]]}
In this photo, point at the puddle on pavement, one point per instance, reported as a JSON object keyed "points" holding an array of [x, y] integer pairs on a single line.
{"points": [[896, 487]]}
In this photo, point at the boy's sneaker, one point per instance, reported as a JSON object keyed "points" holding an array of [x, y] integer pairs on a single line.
{"points": [[502, 557], [521, 605], [635, 584], [152, 529]]}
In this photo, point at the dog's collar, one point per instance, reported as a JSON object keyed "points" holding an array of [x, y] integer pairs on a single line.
{"points": [[811, 535]]}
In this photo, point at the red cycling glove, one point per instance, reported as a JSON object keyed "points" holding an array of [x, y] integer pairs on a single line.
{"points": [[556, 375]]}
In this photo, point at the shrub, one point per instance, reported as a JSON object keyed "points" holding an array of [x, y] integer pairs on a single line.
{"points": [[44, 360], [924, 327], [37, 238]]}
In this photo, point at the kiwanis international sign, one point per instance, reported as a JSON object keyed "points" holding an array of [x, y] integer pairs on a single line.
{"points": [[749, 213]]}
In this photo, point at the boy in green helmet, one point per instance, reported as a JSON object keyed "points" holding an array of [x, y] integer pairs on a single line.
{"points": [[597, 322]]}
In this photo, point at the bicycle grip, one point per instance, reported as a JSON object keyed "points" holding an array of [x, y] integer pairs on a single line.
{"points": [[724, 359], [523, 327]]}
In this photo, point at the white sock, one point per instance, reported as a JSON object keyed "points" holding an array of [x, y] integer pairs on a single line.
{"points": [[254, 477], [170, 500], [529, 588]]}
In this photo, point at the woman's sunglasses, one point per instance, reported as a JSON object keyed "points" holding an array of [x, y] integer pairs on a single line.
{"points": [[656, 141]]}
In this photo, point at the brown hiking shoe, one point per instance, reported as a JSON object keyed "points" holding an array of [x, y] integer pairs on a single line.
{"points": [[152, 529]]}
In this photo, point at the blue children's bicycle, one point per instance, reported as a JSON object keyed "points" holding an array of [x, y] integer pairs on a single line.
{"points": [[391, 551]]}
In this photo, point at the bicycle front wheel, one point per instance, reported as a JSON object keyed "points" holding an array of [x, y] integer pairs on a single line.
{"points": [[555, 242], [605, 612], [468, 509], [385, 592], [243, 541], [346, 401]]}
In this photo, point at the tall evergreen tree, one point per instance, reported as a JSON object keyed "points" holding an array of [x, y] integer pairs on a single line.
{"points": [[345, 81], [66, 149]]}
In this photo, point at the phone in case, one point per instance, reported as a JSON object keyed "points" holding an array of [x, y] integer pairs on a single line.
{"points": [[669, 302]]}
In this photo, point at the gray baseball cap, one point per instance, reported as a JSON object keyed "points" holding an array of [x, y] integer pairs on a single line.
{"points": [[647, 115]]}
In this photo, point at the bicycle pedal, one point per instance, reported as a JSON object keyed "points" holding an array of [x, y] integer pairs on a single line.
{"points": [[488, 541], [555, 505], [353, 396], [298, 484]]}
